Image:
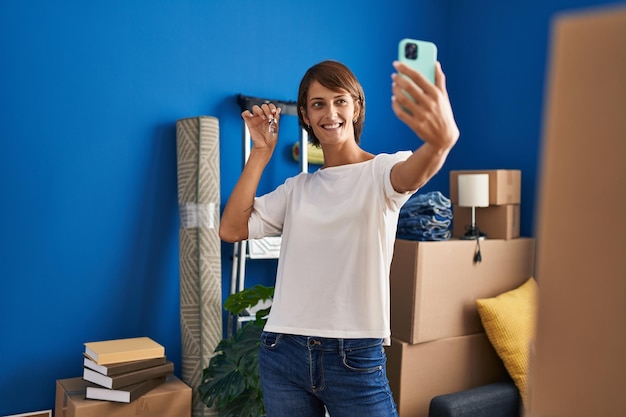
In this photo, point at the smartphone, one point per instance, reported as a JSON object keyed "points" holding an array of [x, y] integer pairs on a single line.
{"points": [[419, 55]]}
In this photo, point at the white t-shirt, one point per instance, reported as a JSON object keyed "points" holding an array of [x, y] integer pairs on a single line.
{"points": [[338, 229]]}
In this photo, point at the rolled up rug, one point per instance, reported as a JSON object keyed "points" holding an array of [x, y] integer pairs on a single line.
{"points": [[198, 166]]}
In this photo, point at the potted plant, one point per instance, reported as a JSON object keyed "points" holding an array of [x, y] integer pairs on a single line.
{"points": [[232, 382]]}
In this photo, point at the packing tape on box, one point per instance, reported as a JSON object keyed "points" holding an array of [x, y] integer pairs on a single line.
{"points": [[198, 215]]}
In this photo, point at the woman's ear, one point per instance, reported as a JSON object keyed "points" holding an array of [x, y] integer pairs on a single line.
{"points": [[304, 116], [357, 110]]}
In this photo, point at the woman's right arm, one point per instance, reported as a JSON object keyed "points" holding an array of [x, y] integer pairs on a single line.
{"points": [[234, 220]]}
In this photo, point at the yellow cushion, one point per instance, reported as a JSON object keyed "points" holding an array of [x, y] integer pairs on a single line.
{"points": [[509, 321]]}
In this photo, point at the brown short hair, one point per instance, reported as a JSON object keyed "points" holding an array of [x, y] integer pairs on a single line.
{"points": [[334, 76]]}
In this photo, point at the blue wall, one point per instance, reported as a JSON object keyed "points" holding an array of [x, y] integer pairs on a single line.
{"points": [[89, 96]]}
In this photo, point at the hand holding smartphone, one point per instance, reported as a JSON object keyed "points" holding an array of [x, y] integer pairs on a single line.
{"points": [[419, 55]]}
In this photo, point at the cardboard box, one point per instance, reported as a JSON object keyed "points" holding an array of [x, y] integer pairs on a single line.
{"points": [[505, 186], [434, 285], [578, 365], [417, 373], [172, 398], [498, 222]]}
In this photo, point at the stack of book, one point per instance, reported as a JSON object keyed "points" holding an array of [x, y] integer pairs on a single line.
{"points": [[124, 369]]}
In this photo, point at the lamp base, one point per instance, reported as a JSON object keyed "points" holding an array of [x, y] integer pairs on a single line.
{"points": [[473, 233]]}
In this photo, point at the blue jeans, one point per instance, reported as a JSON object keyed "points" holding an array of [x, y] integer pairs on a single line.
{"points": [[300, 375]]}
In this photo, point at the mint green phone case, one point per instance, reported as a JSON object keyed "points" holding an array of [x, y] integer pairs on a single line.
{"points": [[424, 58]]}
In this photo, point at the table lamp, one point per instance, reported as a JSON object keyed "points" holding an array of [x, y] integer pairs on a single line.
{"points": [[473, 192]]}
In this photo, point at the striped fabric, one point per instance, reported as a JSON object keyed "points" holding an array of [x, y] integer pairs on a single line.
{"points": [[197, 144]]}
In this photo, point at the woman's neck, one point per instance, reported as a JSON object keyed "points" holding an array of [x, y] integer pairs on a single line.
{"points": [[340, 155]]}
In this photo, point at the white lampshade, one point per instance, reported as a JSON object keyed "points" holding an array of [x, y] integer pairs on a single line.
{"points": [[474, 190]]}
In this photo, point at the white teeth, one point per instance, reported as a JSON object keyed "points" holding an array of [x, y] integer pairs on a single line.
{"points": [[333, 126]]}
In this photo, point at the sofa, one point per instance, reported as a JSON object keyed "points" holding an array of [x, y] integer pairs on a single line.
{"points": [[499, 399]]}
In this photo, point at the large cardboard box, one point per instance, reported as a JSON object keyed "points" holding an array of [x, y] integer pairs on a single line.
{"points": [[497, 222], [417, 373], [578, 368], [505, 185], [172, 398], [434, 285]]}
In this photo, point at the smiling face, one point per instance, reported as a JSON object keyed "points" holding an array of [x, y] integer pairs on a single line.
{"points": [[331, 114], [331, 87]]}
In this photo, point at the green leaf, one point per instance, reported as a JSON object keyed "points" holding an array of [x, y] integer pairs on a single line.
{"points": [[234, 370], [261, 316], [232, 381], [249, 297], [249, 404]]}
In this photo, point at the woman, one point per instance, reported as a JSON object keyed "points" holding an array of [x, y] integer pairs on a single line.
{"points": [[323, 342]]}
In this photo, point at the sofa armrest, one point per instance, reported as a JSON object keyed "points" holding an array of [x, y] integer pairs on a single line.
{"points": [[500, 399]]}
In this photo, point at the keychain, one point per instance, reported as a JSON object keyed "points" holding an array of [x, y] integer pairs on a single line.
{"points": [[272, 125]]}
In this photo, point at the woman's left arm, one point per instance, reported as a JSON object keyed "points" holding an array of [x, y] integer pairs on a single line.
{"points": [[429, 115]]}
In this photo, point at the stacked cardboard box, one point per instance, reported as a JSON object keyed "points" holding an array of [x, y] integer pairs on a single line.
{"points": [[438, 343], [501, 220]]}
